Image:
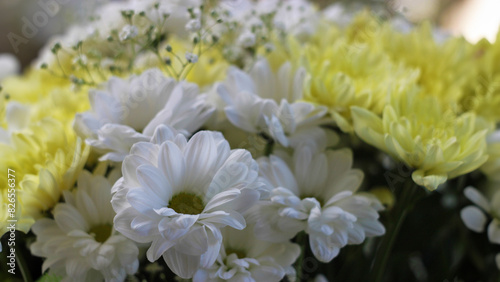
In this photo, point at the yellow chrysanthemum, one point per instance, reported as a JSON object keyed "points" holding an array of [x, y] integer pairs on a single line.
{"points": [[343, 75], [34, 85], [418, 130], [482, 95], [46, 157], [43, 150]]}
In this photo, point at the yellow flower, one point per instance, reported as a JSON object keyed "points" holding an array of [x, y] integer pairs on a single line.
{"points": [[341, 75], [46, 157], [44, 151], [32, 86], [445, 67], [418, 130], [483, 94]]}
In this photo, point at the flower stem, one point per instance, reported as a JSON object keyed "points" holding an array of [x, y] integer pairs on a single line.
{"points": [[301, 239], [407, 198], [21, 262]]}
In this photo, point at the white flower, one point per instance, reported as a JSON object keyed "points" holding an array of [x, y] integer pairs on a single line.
{"points": [[80, 243], [9, 65], [128, 32], [128, 111], [192, 58], [267, 102], [298, 17], [316, 192], [475, 219], [193, 25], [175, 10], [17, 117], [247, 39], [243, 257], [177, 194]]}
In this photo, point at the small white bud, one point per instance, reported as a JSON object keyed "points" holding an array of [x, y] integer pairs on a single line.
{"points": [[192, 58], [193, 25], [247, 39], [128, 32]]}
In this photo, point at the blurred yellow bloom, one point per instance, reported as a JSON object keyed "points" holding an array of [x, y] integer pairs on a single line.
{"points": [[39, 144], [46, 157], [445, 67], [384, 195], [418, 130], [483, 93], [35, 84]]}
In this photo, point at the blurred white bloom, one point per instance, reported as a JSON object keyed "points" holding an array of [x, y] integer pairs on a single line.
{"points": [[9, 65], [175, 11], [192, 58], [475, 219], [81, 59], [80, 243], [474, 216], [193, 25], [265, 102], [177, 194], [243, 257], [17, 117], [128, 111], [316, 192], [339, 14], [247, 39], [297, 17], [128, 32]]}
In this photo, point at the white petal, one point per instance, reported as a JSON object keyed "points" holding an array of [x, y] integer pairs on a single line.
{"points": [[322, 250], [477, 198], [473, 218], [181, 264]]}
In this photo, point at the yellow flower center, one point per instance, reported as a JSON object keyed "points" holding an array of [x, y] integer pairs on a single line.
{"points": [[186, 203], [102, 232]]}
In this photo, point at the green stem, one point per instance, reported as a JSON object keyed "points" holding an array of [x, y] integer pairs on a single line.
{"points": [[404, 205], [301, 239], [21, 262]]}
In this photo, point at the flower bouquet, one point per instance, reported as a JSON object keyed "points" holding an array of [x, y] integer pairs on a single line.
{"points": [[248, 140]]}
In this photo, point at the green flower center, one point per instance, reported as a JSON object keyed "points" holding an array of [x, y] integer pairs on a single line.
{"points": [[186, 203], [239, 253], [102, 232]]}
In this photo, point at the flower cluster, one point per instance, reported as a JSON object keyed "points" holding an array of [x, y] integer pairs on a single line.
{"points": [[219, 140]]}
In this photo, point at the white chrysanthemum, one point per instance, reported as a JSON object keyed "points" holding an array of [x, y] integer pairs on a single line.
{"points": [[265, 102], [243, 257], [316, 192], [128, 111], [177, 194], [80, 243]]}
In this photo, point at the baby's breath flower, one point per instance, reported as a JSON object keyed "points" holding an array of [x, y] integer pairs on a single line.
{"points": [[247, 39], [128, 32], [192, 58], [193, 25]]}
